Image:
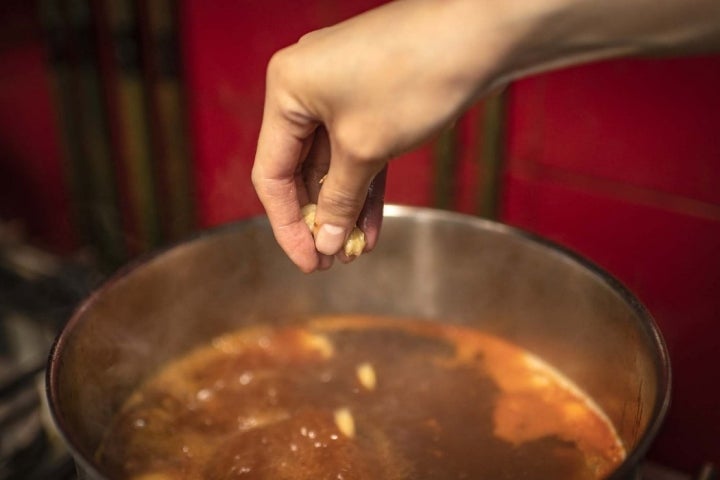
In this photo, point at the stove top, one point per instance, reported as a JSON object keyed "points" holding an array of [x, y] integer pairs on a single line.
{"points": [[38, 291]]}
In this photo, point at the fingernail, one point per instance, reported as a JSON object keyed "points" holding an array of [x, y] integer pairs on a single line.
{"points": [[329, 239], [326, 262]]}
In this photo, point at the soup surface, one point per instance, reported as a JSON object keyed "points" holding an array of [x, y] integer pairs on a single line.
{"points": [[357, 397]]}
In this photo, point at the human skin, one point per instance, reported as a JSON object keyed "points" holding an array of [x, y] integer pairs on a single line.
{"points": [[344, 100]]}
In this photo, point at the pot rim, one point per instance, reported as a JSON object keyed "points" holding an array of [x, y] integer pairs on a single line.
{"points": [[625, 470]]}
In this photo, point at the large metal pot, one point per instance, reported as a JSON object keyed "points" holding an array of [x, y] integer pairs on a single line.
{"points": [[430, 264]]}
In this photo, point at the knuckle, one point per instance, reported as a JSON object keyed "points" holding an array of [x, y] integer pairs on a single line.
{"points": [[281, 67], [277, 64], [307, 37], [342, 204], [315, 34], [358, 146], [255, 178], [285, 85]]}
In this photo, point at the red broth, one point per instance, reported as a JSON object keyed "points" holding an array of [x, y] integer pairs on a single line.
{"points": [[350, 397]]}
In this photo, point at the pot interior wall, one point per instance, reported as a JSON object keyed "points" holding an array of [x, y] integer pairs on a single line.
{"points": [[429, 264]]}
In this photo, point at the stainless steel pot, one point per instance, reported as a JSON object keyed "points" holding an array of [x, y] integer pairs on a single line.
{"points": [[431, 264]]}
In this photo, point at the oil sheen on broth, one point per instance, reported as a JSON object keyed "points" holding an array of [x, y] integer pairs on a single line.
{"points": [[351, 397]]}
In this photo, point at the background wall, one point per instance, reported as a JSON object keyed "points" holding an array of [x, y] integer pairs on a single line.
{"points": [[125, 125], [621, 161]]}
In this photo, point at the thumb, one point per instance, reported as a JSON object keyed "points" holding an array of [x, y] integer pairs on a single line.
{"points": [[341, 199]]}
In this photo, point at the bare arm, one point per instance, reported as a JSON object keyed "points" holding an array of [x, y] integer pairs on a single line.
{"points": [[347, 99]]}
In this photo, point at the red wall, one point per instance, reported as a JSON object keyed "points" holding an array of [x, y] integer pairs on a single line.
{"points": [[621, 161]]}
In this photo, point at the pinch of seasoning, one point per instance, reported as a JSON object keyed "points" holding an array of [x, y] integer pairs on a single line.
{"points": [[366, 375], [345, 422], [308, 213], [355, 243]]}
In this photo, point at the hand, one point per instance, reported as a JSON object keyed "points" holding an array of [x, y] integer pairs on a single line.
{"points": [[346, 99]]}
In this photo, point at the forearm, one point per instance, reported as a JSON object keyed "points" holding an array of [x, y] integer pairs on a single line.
{"points": [[546, 34]]}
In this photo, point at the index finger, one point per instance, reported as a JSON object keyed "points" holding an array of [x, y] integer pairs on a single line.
{"points": [[276, 176]]}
